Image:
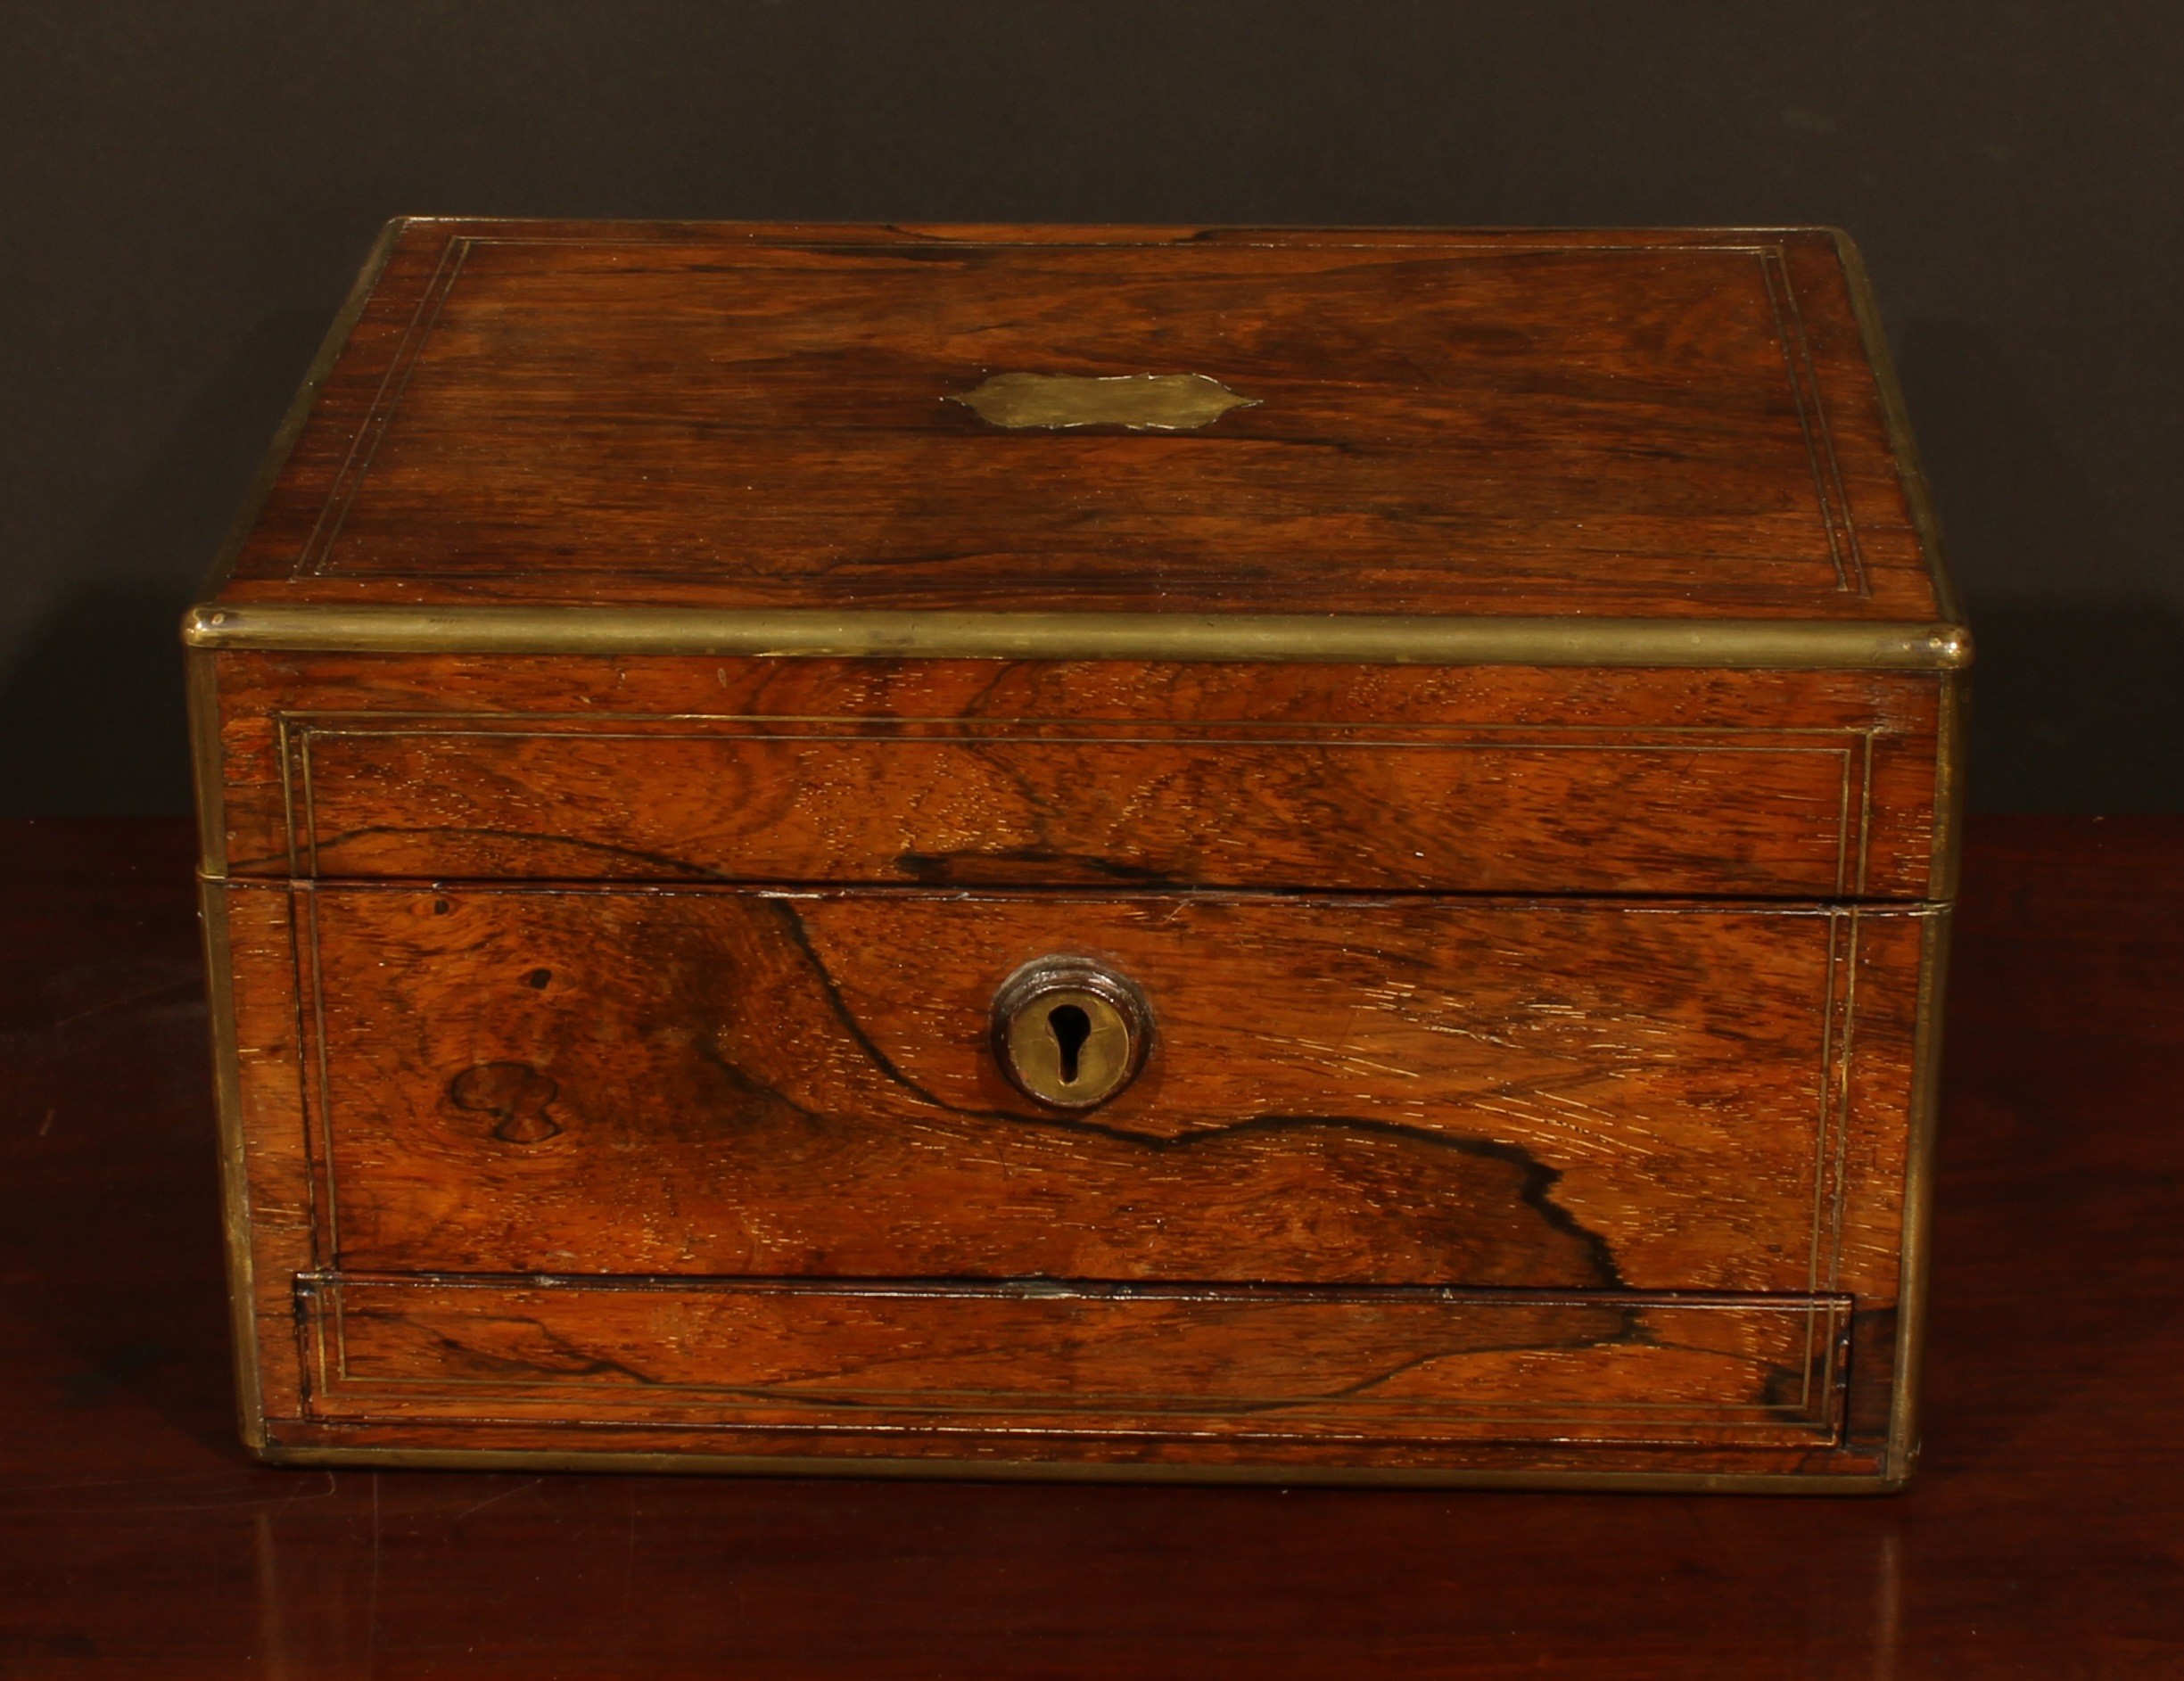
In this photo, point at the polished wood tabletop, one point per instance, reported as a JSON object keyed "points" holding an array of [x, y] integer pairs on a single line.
{"points": [[2044, 1536]]}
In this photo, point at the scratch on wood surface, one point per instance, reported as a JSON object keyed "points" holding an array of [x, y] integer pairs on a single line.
{"points": [[188, 983], [494, 1500]]}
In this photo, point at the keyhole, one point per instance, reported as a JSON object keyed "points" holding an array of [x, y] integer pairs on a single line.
{"points": [[1068, 1035], [1071, 1028]]}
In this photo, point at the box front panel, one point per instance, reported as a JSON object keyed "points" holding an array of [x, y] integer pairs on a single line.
{"points": [[1800, 785], [712, 1081], [730, 1171], [1236, 1365], [668, 1124]]}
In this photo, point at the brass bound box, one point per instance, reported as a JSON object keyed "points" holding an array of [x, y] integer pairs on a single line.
{"points": [[1085, 851]]}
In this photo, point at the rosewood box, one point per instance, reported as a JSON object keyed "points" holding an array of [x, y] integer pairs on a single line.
{"points": [[1085, 851]]}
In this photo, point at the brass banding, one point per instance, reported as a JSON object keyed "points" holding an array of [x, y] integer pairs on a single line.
{"points": [[1360, 638]]}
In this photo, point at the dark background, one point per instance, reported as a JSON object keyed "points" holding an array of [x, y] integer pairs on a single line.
{"points": [[189, 189]]}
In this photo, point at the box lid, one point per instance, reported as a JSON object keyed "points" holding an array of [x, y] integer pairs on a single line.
{"points": [[1660, 446]]}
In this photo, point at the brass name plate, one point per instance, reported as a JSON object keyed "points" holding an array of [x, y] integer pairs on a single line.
{"points": [[1142, 402]]}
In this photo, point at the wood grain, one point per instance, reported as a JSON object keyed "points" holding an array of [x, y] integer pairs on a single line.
{"points": [[1799, 785], [708, 1083], [1147, 1361], [1401, 1094], [1602, 423]]}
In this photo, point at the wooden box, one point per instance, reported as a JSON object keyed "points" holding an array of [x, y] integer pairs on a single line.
{"points": [[1061, 851]]}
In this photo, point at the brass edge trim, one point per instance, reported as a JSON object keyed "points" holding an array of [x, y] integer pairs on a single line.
{"points": [[760, 233], [1910, 465], [299, 407], [1360, 638], [1918, 1194], [1054, 1471], [234, 1172], [201, 685]]}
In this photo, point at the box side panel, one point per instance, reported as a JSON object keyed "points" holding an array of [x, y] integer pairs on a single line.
{"points": [[1896, 426], [234, 1160], [1925, 1113], [208, 760], [300, 409], [1881, 1084], [265, 1152]]}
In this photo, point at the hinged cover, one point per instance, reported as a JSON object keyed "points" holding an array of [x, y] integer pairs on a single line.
{"points": [[1592, 447]]}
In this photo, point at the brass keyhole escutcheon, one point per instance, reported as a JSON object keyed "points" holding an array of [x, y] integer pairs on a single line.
{"points": [[1069, 1034]]}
